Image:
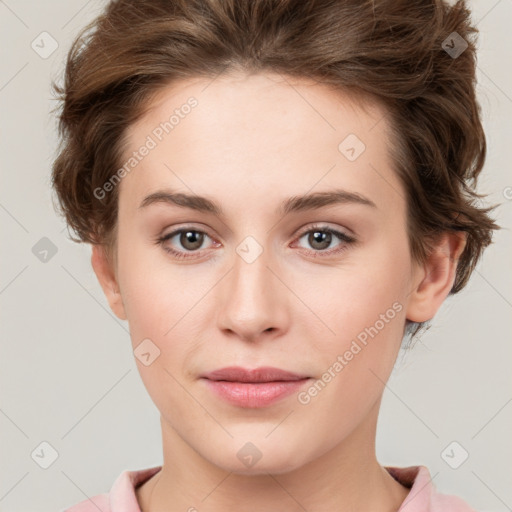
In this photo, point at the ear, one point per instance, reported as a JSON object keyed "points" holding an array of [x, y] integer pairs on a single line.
{"points": [[434, 279], [107, 279]]}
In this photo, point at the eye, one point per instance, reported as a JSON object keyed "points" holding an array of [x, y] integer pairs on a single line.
{"points": [[190, 239], [320, 239]]}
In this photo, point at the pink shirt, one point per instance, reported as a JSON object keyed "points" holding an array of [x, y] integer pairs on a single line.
{"points": [[422, 497]]}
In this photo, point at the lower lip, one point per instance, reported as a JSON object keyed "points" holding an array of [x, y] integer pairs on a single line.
{"points": [[246, 394]]}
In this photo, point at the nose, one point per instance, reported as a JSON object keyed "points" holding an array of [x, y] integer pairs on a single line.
{"points": [[254, 302]]}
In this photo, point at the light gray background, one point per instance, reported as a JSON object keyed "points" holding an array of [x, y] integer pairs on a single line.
{"points": [[68, 375]]}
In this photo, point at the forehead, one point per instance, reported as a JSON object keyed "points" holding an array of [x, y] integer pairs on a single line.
{"points": [[247, 104], [247, 131]]}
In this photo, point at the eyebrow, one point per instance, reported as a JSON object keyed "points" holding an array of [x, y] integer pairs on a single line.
{"points": [[305, 202]]}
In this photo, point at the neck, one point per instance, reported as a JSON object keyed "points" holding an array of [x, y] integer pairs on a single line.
{"points": [[346, 477]]}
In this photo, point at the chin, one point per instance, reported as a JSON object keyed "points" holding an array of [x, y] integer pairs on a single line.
{"points": [[260, 457]]}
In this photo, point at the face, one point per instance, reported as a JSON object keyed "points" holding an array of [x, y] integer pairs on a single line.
{"points": [[261, 275]]}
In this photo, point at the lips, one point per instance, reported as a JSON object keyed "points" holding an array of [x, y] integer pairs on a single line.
{"points": [[257, 375], [261, 387]]}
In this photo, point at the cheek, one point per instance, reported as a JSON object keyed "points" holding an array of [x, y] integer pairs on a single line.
{"points": [[366, 332], [368, 321], [365, 307], [159, 309], [165, 304], [371, 289], [154, 292]]}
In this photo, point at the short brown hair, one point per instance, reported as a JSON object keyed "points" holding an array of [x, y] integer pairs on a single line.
{"points": [[390, 50]]}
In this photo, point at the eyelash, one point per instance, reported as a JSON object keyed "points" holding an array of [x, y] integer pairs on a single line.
{"points": [[315, 228]]}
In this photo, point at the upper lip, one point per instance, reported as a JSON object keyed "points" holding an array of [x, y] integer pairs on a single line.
{"points": [[262, 374]]}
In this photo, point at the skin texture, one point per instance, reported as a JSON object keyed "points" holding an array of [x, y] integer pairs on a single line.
{"points": [[250, 143]]}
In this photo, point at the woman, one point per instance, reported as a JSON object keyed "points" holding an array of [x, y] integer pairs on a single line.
{"points": [[277, 194]]}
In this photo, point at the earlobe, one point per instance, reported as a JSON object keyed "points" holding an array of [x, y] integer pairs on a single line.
{"points": [[107, 279], [434, 280]]}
